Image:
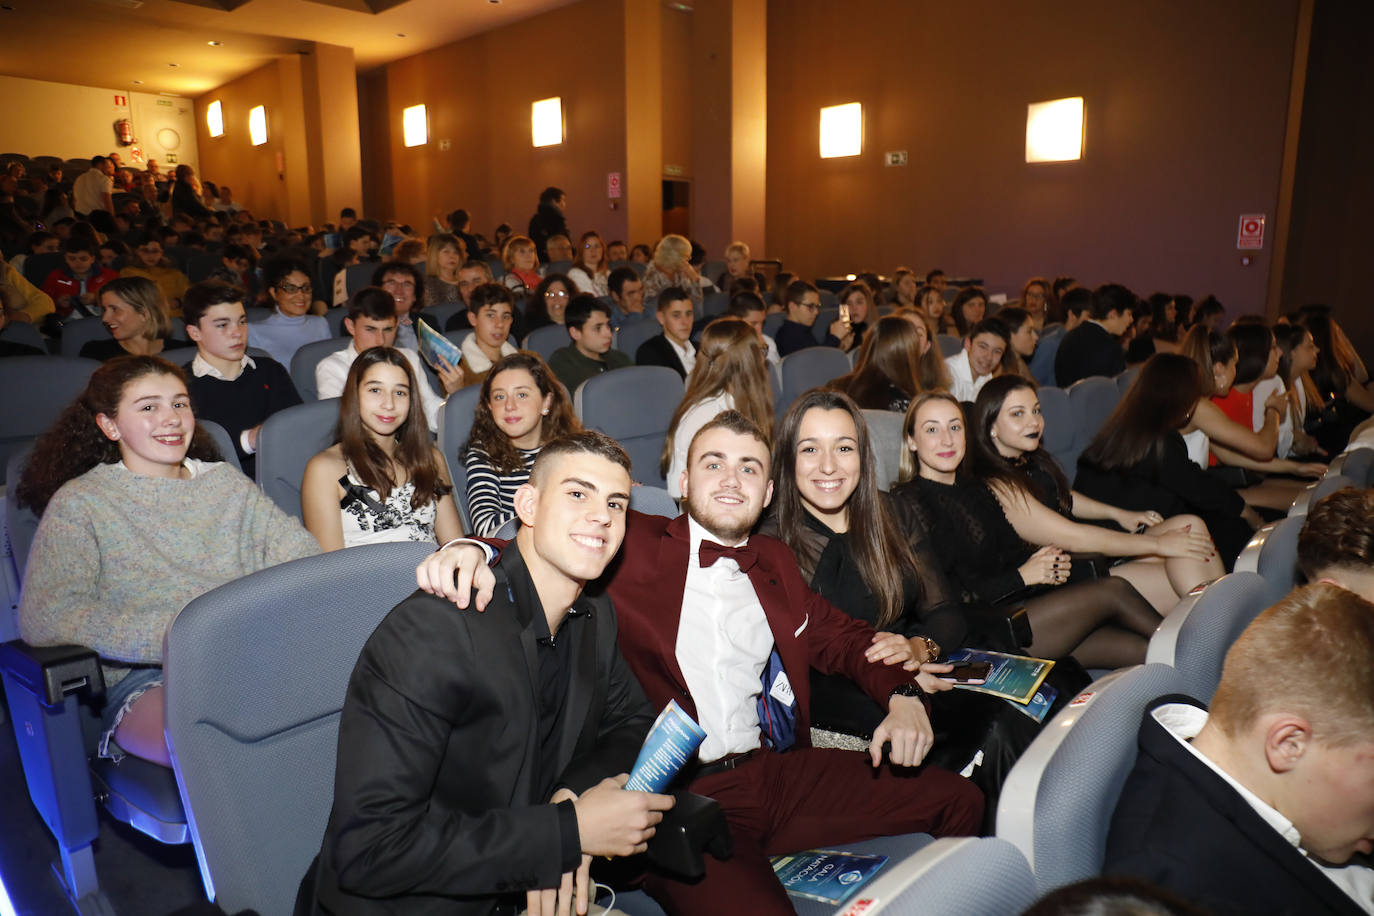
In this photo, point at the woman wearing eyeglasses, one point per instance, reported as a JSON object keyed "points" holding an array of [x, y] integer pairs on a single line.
{"points": [[549, 302], [289, 327]]}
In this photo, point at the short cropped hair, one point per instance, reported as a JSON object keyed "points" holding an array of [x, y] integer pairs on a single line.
{"points": [[581, 308], [486, 294], [670, 295], [1112, 297], [1077, 301], [550, 195], [735, 422], [75, 244], [1338, 534], [937, 272], [475, 264], [797, 290], [582, 442], [1312, 655], [371, 302], [401, 267], [205, 295], [742, 304], [991, 326], [616, 281]]}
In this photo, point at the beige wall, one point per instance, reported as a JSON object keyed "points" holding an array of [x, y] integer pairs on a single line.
{"points": [[259, 174], [77, 122], [1186, 106]]}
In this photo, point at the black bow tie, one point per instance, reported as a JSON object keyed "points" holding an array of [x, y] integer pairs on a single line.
{"points": [[710, 552]]}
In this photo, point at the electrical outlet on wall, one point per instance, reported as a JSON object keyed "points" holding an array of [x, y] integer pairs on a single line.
{"points": [[444, 145], [896, 157]]}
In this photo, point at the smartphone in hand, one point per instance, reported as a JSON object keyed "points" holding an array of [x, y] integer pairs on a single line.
{"points": [[968, 673]]}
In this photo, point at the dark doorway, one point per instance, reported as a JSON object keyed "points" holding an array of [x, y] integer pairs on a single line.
{"points": [[677, 207]]}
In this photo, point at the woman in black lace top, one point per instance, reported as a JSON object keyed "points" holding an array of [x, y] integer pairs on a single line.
{"points": [[1103, 623], [1175, 554]]}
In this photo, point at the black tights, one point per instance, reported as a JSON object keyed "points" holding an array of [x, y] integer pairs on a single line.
{"points": [[1104, 623]]}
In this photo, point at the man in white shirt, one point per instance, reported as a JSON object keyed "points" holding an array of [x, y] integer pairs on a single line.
{"points": [[371, 322], [735, 652], [94, 188], [1265, 805], [971, 368], [673, 348]]}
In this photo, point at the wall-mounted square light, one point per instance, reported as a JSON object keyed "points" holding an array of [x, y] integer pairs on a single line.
{"points": [[214, 118], [257, 125], [546, 122], [842, 130], [415, 125], [1054, 130]]}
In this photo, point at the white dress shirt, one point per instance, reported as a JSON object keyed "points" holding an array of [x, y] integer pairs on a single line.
{"points": [[962, 384], [332, 371], [723, 642], [686, 353], [1184, 721]]}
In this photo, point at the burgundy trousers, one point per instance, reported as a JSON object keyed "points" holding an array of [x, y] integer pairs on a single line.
{"points": [[811, 798]]}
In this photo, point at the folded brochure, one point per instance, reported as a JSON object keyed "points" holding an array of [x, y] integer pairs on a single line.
{"points": [[672, 741], [1013, 677], [435, 347], [825, 875]]}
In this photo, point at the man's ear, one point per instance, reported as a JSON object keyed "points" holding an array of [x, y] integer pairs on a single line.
{"points": [[526, 501], [968, 344], [574, 333], [658, 316], [1286, 740], [682, 484], [193, 332], [107, 426], [768, 495], [348, 326]]}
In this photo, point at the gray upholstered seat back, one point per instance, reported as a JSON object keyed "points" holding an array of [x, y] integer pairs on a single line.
{"points": [[288, 440], [1197, 634], [256, 675], [634, 406], [807, 369]]}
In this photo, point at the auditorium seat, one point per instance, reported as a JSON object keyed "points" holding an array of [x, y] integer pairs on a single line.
{"points": [[1061, 429], [888, 441], [634, 333], [547, 340], [1273, 553], [1199, 631], [220, 436], [356, 276], [824, 319], [49, 384], [653, 501], [20, 526], [200, 265], [714, 304], [956, 876], [256, 764], [305, 359], [1057, 802], [1124, 380], [286, 443], [22, 332], [949, 344], [334, 317], [436, 316], [634, 406], [772, 322], [455, 424], [1314, 492], [557, 267], [1093, 400], [76, 334], [807, 369], [1358, 465]]}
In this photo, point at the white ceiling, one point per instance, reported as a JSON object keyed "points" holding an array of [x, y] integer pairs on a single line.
{"points": [[107, 43]]}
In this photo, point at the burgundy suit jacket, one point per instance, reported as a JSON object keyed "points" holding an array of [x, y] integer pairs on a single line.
{"points": [[647, 581]]}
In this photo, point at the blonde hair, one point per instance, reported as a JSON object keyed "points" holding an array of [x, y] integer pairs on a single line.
{"points": [[1312, 655], [672, 253], [143, 296], [436, 244], [737, 248], [909, 468], [728, 360], [513, 244]]}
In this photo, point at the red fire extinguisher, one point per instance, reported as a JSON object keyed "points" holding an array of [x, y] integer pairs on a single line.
{"points": [[124, 132]]}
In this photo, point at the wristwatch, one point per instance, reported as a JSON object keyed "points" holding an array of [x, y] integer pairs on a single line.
{"points": [[909, 689], [932, 648]]}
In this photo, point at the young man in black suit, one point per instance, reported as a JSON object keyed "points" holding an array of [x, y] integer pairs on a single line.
{"points": [[478, 753], [1094, 347], [673, 348], [1265, 804]]}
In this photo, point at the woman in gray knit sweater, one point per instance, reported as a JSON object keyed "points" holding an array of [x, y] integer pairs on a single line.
{"points": [[138, 517]]}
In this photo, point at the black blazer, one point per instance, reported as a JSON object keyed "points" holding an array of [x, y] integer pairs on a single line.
{"points": [[1088, 350], [1180, 825], [435, 807], [657, 351]]}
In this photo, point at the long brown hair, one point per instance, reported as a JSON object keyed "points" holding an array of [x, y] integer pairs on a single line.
{"points": [[413, 451], [989, 465], [1158, 403], [933, 373], [487, 435], [887, 358], [728, 360], [880, 550], [74, 444]]}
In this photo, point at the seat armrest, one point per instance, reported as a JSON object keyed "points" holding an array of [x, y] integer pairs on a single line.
{"points": [[53, 672], [694, 825]]}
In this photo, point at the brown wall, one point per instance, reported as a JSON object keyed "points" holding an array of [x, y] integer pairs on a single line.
{"points": [[1185, 114], [1334, 189], [477, 94], [251, 171]]}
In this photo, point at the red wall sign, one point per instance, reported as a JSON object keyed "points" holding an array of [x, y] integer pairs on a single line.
{"points": [[121, 101], [1251, 231]]}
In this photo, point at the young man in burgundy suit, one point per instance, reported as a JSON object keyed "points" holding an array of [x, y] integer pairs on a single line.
{"points": [[745, 631]]}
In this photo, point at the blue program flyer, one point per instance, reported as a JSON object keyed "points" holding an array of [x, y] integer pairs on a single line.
{"points": [[825, 875], [671, 742]]}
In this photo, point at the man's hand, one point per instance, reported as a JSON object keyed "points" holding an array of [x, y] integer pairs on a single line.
{"points": [[930, 677], [612, 821], [451, 377], [907, 729], [454, 572], [253, 437]]}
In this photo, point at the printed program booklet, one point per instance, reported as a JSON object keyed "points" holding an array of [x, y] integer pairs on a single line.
{"points": [[672, 741], [825, 875], [1013, 677], [435, 347]]}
